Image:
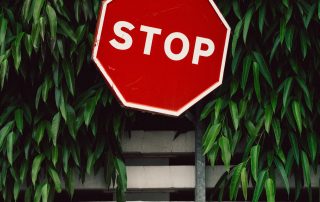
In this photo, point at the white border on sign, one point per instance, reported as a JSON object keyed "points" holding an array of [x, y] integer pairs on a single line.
{"points": [[149, 108]]}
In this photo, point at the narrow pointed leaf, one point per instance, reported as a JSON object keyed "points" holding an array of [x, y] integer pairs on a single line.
{"points": [[270, 190], [254, 157], [259, 186], [296, 109], [226, 152]]}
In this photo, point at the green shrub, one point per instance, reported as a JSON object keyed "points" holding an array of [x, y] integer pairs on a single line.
{"points": [[57, 118], [268, 106]]}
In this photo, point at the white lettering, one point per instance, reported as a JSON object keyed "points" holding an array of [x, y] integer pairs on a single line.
{"points": [[151, 31], [185, 46], [120, 33], [198, 52]]}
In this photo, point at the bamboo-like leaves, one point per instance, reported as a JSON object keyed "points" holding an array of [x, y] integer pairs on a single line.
{"points": [[296, 109], [56, 179], [53, 24], [254, 156], [283, 174], [306, 168], [235, 180], [210, 137], [36, 167], [225, 151], [246, 25], [244, 182], [270, 190]]}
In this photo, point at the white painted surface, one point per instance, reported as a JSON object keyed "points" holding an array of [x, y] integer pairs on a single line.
{"points": [[169, 178], [158, 142]]}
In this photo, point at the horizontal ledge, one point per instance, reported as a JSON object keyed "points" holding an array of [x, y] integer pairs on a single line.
{"points": [[158, 142], [169, 178]]}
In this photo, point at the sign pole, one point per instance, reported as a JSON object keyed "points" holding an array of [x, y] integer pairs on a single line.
{"points": [[200, 161]]}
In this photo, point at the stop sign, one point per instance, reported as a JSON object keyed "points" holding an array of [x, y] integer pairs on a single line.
{"points": [[161, 56]]}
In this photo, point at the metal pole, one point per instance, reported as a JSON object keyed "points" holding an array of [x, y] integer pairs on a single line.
{"points": [[200, 189]]}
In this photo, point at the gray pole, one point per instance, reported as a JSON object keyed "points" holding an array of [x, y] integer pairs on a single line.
{"points": [[200, 189]]}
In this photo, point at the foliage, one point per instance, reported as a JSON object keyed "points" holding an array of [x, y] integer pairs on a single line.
{"points": [[269, 104], [52, 102], [58, 121]]}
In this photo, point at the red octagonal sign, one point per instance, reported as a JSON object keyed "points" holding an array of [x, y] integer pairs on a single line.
{"points": [[161, 56]]}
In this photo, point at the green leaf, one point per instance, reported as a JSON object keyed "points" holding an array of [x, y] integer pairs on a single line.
{"points": [[308, 17], [210, 137], [3, 72], [36, 165], [54, 129], [16, 51], [247, 21], [256, 81], [4, 132], [3, 32], [289, 38], [66, 30], [319, 10], [25, 10], [69, 76], [262, 16], [276, 130], [56, 179], [270, 190], [65, 159], [313, 146], [235, 62], [35, 35], [236, 9], [28, 43], [18, 115], [53, 23], [207, 110], [306, 168], [286, 91], [247, 62], [45, 192], [37, 7], [80, 32], [10, 140], [16, 190], [234, 114], [244, 182], [37, 194], [263, 68], [39, 132], [268, 117], [283, 25], [294, 144], [296, 109], [254, 157], [90, 163], [70, 182], [54, 155], [235, 180], [213, 153], [286, 3], [23, 171], [27, 194], [305, 89], [274, 48], [259, 186], [225, 151], [283, 174], [122, 174], [236, 36], [89, 110]]}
